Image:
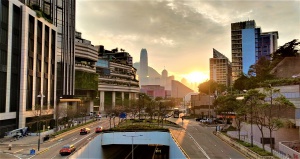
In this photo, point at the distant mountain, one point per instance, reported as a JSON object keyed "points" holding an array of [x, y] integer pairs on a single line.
{"points": [[151, 71]]}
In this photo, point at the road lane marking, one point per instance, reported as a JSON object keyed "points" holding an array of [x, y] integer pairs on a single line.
{"points": [[53, 157], [199, 147], [18, 151], [74, 139], [83, 138]]}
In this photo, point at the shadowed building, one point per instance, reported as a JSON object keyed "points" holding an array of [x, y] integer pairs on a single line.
{"points": [[220, 68], [27, 67]]}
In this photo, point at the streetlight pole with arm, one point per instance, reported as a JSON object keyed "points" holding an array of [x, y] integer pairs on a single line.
{"points": [[41, 101], [132, 150]]}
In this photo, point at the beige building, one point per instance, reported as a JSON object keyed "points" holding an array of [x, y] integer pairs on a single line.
{"points": [[220, 68]]}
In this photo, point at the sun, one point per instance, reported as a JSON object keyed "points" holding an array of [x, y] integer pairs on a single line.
{"points": [[196, 77]]}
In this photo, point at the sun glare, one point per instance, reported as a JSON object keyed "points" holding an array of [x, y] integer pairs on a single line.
{"points": [[197, 77]]}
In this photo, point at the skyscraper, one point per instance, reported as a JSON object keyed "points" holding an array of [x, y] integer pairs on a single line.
{"points": [[27, 65], [61, 13], [143, 77], [220, 68], [243, 45], [248, 44], [267, 44]]}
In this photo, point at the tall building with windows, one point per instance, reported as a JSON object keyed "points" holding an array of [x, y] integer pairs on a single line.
{"points": [[143, 77], [267, 44], [27, 66], [61, 13], [220, 68], [248, 44], [243, 45]]}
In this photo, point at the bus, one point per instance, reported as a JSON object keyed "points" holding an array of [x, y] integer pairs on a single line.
{"points": [[176, 113]]}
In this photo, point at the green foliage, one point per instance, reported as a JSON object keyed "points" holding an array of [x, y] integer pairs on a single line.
{"points": [[40, 13], [86, 80], [245, 83], [280, 82], [289, 49], [208, 87], [255, 148]]}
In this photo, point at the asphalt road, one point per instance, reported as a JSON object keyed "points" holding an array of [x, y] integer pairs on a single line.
{"points": [[199, 141], [52, 147]]}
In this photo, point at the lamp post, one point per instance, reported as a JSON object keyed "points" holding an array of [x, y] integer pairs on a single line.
{"points": [[41, 101], [132, 136]]}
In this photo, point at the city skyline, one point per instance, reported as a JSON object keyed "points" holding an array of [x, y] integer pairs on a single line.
{"points": [[180, 35]]}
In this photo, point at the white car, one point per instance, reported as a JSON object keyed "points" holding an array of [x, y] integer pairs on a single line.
{"points": [[204, 120]]}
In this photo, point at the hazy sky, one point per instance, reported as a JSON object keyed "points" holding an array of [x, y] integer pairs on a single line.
{"points": [[180, 35]]}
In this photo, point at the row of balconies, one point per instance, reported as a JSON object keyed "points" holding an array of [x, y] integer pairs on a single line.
{"points": [[118, 80], [84, 67]]}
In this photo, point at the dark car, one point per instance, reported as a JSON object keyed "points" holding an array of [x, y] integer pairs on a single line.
{"points": [[198, 119], [67, 150], [85, 131]]}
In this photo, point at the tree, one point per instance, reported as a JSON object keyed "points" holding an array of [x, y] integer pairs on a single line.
{"points": [[225, 105], [40, 115], [261, 70], [240, 112], [208, 87], [274, 106], [289, 49], [253, 100]]}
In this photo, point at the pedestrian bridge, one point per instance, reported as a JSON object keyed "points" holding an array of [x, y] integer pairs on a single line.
{"points": [[94, 148]]}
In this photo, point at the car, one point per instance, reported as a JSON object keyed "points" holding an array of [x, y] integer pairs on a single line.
{"points": [[204, 120], [198, 119], [98, 129], [85, 131], [67, 150]]}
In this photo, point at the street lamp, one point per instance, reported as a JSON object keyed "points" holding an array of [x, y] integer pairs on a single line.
{"points": [[132, 136], [41, 101]]}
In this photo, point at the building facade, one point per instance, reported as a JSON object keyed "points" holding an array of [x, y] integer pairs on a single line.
{"points": [[267, 44], [61, 13], [248, 44], [179, 90], [28, 66], [154, 91], [220, 68], [86, 78], [239, 38], [118, 84]]}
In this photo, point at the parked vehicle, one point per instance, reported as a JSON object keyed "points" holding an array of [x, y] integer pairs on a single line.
{"points": [[204, 120], [98, 129], [198, 119], [67, 150], [85, 131]]}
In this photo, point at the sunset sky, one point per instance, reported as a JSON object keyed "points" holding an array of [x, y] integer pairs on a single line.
{"points": [[180, 35]]}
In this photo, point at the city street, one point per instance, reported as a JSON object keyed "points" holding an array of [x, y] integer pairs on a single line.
{"points": [[198, 141], [50, 149]]}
